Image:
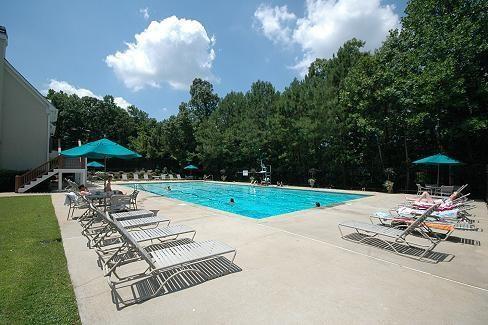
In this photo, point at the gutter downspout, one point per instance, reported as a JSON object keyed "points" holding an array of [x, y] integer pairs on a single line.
{"points": [[3, 48]]}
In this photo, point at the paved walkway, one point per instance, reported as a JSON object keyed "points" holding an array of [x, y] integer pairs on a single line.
{"points": [[296, 269]]}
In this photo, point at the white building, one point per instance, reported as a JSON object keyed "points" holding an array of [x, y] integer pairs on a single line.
{"points": [[27, 123]]}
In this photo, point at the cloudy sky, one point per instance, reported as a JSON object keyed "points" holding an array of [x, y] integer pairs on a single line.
{"points": [[147, 53]]}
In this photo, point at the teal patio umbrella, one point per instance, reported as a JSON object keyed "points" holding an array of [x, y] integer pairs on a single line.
{"points": [[191, 168], [95, 164], [101, 149], [438, 160]]}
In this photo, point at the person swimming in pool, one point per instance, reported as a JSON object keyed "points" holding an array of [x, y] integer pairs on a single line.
{"points": [[169, 188], [231, 201], [317, 204]]}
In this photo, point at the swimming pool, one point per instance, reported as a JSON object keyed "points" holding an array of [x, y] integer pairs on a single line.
{"points": [[256, 202]]}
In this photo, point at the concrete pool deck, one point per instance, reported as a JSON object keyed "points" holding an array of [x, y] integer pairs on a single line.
{"points": [[296, 269]]}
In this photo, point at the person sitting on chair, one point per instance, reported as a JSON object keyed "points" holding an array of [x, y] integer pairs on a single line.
{"points": [[83, 190], [427, 198]]}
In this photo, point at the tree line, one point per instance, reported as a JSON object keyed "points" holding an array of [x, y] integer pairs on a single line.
{"points": [[354, 120]]}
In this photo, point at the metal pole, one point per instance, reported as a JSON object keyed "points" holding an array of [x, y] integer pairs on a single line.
{"points": [[450, 182], [438, 168]]}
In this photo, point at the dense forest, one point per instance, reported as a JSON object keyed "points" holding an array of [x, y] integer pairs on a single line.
{"points": [[352, 121]]}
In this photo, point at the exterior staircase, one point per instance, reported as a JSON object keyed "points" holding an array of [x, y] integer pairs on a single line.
{"points": [[47, 170]]}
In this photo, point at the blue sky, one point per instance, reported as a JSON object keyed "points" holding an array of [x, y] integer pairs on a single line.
{"points": [[231, 43]]}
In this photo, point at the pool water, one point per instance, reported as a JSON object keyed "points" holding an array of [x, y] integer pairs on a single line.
{"points": [[256, 202]]}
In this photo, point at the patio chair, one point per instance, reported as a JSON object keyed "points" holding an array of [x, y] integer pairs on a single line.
{"points": [[146, 176], [156, 177], [178, 259], [136, 176], [72, 186], [421, 189], [75, 202], [178, 176], [437, 197], [445, 190], [124, 177], [171, 177], [120, 203], [371, 232]]}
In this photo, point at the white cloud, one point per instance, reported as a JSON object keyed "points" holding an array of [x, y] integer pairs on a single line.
{"points": [[144, 12], [69, 89], [327, 24], [274, 22], [173, 51], [121, 102]]}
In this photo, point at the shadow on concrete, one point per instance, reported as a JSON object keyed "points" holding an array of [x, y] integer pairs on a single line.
{"points": [[146, 288], [465, 241], [401, 249]]}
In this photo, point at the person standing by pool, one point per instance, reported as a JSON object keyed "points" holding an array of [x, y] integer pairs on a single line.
{"points": [[107, 187]]}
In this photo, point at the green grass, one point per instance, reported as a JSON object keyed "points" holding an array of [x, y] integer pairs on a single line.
{"points": [[35, 287]]}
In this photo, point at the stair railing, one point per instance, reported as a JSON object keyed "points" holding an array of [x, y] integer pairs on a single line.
{"points": [[58, 162], [21, 180]]}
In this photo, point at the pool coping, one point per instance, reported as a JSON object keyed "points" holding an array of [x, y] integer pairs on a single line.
{"points": [[293, 187]]}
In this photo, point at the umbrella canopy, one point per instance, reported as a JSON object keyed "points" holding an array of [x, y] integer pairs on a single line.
{"points": [[95, 164], [191, 167], [101, 149], [438, 160]]}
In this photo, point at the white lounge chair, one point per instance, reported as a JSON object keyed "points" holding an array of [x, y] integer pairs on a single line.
{"points": [[124, 177], [108, 243], [99, 227], [136, 176], [367, 232], [179, 259], [146, 176], [178, 176], [141, 235]]}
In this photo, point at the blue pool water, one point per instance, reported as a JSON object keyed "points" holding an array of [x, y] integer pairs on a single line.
{"points": [[256, 202]]}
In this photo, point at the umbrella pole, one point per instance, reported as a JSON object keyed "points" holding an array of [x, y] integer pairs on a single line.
{"points": [[105, 163], [438, 168], [450, 175]]}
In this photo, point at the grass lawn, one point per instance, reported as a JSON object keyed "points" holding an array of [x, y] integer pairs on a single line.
{"points": [[34, 283]]}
